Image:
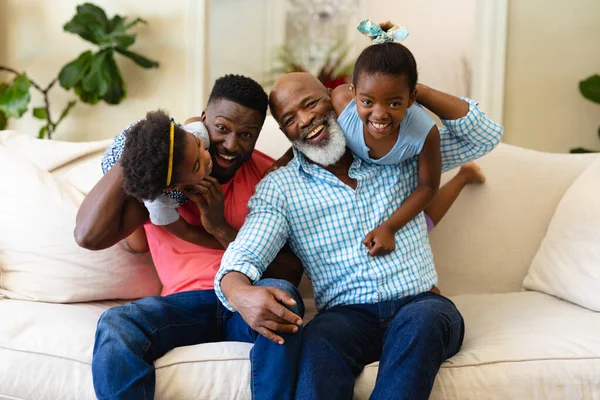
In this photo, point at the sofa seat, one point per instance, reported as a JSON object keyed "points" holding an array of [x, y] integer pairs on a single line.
{"points": [[517, 346]]}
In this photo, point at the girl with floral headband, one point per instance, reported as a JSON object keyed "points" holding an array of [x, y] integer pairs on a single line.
{"points": [[384, 125]]}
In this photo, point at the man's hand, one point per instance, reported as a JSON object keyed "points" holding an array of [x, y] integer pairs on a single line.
{"points": [[263, 310], [209, 198], [380, 241]]}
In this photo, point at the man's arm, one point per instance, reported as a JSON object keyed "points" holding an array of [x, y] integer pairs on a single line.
{"points": [[264, 233], [107, 215], [467, 133]]}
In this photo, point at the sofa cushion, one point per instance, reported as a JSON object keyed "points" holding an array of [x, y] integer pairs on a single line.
{"points": [[517, 345], [567, 265], [39, 259], [501, 223], [524, 345]]}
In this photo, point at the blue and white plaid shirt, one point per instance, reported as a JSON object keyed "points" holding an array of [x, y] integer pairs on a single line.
{"points": [[325, 222]]}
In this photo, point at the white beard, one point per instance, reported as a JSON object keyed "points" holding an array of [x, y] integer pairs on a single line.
{"points": [[328, 153]]}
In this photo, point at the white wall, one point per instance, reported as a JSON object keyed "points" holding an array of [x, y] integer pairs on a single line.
{"points": [[441, 36], [552, 45], [32, 40]]}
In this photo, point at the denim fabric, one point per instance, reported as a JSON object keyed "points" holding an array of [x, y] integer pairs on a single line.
{"points": [[130, 337], [410, 337]]}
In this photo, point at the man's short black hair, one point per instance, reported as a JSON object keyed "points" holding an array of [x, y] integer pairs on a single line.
{"points": [[241, 90], [387, 58], [145, 158]]}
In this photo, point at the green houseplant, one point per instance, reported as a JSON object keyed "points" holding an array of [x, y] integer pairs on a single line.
{"points": [[93, 76], [590, 89]]}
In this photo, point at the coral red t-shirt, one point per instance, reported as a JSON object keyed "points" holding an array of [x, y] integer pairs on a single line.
{"points": [[183, 266]]}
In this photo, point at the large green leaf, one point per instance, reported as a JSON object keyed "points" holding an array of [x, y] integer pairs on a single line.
{"points": [[138, 59], [40, 112], [90, 23], [15, 98], [94, 13], [122, 40], [117, 89], [116, 24], [3, 121], [590, 88], [74, 71], [86, 97], [99, 78]]}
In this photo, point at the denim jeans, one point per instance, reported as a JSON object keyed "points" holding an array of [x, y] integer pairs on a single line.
{"points": [[130, 337], [410, 337]]}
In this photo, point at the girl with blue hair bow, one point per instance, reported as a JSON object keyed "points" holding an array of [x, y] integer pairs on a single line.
{"points": [[384, 125]]}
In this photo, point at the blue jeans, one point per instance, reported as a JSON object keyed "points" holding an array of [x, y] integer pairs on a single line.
{"points": [[410, 337], [130, 337]]}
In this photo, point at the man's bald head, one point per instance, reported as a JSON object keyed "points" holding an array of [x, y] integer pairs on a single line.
{"points": [[290, 84]]}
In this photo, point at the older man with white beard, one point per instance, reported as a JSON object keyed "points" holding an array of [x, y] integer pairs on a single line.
{"points": [[323, 203]]}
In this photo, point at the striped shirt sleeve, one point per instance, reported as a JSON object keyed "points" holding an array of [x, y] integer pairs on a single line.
{"points": [[468, 138], [264, 233]]}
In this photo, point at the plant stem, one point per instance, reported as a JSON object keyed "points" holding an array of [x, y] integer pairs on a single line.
{"points": [[49, 123]]}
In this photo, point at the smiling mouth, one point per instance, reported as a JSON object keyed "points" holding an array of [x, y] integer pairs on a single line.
{"points": [[224, 160], [378, 126], [316, 134]]}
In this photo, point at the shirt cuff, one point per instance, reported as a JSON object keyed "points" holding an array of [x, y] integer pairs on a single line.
{"points": [[247, 269], [464, 125]]}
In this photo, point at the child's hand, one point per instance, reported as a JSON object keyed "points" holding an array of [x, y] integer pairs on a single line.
{"points": [[380, 241]]}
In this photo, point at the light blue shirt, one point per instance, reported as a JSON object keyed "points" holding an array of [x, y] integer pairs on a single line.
{"points": [[414, 128], [325, 222]]}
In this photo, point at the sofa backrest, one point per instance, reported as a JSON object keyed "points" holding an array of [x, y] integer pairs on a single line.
{"points": [[486, 242]]}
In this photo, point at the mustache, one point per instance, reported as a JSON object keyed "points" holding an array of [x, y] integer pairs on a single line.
{"points": [[322, 121]]}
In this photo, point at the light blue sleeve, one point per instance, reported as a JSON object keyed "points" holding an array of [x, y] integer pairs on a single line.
{"points": [[414, 129]]}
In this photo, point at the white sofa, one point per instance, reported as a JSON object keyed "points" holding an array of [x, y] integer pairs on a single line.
{"points": [[518, 344]]}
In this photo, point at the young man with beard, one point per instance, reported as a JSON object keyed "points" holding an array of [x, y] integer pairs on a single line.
{"points": [[129, 338], [323, 203]]}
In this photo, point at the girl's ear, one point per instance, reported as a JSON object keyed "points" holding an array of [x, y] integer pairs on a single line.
{"points": [[412, 97], [353, 90]]}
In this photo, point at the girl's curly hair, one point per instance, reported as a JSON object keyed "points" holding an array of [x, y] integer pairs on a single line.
{"points": [[145, 157]]}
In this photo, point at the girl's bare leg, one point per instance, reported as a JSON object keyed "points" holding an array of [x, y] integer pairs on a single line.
{"points": [[468, 173]]}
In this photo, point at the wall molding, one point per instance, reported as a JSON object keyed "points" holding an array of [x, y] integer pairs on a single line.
{"points": [[197, 51], [489, 61]]}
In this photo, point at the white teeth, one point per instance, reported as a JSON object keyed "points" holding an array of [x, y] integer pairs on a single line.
{"points": [[314, 132], [228, 158], [379, 126]]}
